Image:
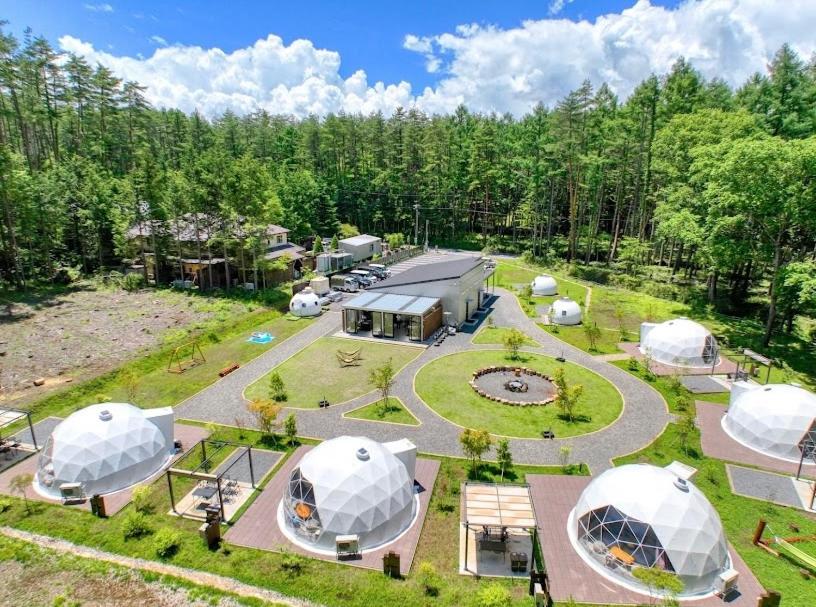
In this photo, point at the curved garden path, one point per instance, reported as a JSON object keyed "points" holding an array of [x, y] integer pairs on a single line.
{"points": [[643, 418]]}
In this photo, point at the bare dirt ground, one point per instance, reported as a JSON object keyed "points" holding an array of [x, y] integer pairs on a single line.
{"points": [[47, 582], [86, 331]]}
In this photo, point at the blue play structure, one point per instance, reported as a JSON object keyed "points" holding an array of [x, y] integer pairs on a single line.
{"points": [[261, 338]]}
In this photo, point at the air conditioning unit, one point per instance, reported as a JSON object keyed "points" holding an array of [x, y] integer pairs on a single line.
{"points": [[72, 493], [726, 582], [347, 545]]}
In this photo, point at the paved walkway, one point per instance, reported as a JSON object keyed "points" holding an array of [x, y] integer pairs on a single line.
{"points": [[643, 418], [209, 580], [768, 486]]}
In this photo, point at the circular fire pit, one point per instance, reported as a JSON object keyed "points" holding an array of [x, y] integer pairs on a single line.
{"points": [[516, 386]]}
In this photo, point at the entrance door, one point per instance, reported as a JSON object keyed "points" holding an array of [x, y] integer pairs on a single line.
{"points": [[415, 328], [351, 321], [377, 324], [388, 325]]}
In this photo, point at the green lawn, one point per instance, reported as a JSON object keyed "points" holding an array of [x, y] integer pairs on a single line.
{"points": [[314, 373], [395, 413], [443, 385], [496, 335], [739, 514], [512, 275]]}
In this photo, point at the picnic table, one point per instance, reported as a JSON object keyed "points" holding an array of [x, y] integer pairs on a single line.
{"points": [[205, 492]]}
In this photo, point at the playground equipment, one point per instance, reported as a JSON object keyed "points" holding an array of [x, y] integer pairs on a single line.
{"points": [[263, 337], [185, 356], [785, 545], [349, 359]]}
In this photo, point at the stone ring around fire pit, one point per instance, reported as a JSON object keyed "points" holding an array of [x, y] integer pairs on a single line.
{"points": [[512, 385]]}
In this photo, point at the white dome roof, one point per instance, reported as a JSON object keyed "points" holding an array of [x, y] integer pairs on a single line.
{"points": [[349, 485], [680, 342], [305, 303], [565, 311], [544, 285], [659, 520], [778, 419], [106, 447]]}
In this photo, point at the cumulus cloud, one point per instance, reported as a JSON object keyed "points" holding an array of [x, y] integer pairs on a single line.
{"points": [[98, 8], [556, 6], [484, 67]]}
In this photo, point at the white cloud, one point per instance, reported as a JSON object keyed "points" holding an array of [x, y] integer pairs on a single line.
{"points": [[98, 8], [158, 40], [484, 67], [556, 6]]}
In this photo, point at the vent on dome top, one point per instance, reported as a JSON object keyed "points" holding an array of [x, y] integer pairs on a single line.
{"points": [[681, 484], [362, 454], [767, 389], [105, 415]]}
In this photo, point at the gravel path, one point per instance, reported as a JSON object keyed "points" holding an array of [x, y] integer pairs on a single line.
{"points": [[766, 486], [643, 419], [210, 580]]}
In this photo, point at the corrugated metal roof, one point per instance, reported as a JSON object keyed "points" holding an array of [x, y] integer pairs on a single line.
{"points": [[391, 303], [356, 241]]}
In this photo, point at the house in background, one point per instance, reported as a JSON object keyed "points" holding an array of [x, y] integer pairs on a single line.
{"points": [[362, 247]]}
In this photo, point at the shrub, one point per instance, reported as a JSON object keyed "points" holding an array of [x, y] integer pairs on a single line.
{"points": [[633, 364], [428, 578], [5, 504], [277, 389], [141, 499], [166, 542], [493, 595], [135, 524], [292, 563], [133, 282]]}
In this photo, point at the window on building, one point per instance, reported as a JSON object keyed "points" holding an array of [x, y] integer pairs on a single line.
{"points": [[280, 238]]}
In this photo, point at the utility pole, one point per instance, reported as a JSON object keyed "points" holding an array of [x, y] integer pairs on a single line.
{"points": [[426, 234], [416, 224]]}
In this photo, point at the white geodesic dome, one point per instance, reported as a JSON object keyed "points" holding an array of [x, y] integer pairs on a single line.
{"points": [[350, 485], [105, 447], [680, 342], [777, 419], [544, 285], [565, 311], [305, 303], [658, 519]]}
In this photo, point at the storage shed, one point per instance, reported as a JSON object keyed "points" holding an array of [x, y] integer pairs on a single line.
{"points": [[361, 247]]}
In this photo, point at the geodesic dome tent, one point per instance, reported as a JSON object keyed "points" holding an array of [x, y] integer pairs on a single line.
{"points": [[350, 485], [544, 285], [305, 303], [777, 419], [565, 311], [106, 448], [680, 342], [656, 518]]}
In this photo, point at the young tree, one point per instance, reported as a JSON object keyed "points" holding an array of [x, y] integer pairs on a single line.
{"points": [[475, 443], [335, 243], [686, 426], [382, 379], [503, 456], [19, 485], [566, 397], [592, 333], [265, 413], [290, 428], [317, 248], [513, 340], [277, 389]]}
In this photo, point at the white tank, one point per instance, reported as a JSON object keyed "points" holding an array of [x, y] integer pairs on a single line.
{"points": [[565, 311], [544, 285], [305, 303], [320, 285]]}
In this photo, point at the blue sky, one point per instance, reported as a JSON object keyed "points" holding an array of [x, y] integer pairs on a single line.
{"points": [[368, 35], [491, 55]]}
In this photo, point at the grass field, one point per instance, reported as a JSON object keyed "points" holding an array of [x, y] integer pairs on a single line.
{"points": [[512, 275], [314, 373], [739, 514], [443, 385], [394, 413], [496, 335]]}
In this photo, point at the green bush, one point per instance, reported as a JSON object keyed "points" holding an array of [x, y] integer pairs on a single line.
{"points": [[428, 578], [5, 504], [166, 542], [133, 282], [493, 595], [141, 499], [135, 524]]}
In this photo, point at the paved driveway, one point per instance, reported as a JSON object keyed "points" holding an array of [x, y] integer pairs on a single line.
{"points": [[643, 419]]}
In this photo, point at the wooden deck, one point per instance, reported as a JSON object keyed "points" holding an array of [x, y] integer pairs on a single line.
{"points": [[718, 444], [571, 578], [258, 526], [114, 502]]}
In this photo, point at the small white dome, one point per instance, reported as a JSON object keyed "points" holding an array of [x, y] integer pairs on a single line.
{"points": [[544, 285], [778, 419], [305, 303], [565, 311], [106, 447], [680, 342], [658, 519], [348, 485]]}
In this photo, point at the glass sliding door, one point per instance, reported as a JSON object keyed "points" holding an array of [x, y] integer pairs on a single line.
{"points": [[388, 325], [415, 328], [377, 324], [351, 320]]}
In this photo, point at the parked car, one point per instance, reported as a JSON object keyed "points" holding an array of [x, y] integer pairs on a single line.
{"points": [[334, 296], [364, 277], [344, 282], [379, 269]]}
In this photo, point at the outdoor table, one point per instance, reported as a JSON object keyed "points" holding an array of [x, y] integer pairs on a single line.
{"points": [[205, 492], [621, 554]]}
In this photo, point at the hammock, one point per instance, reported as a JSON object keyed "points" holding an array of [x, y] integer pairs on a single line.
{"points": [[798, 554]]}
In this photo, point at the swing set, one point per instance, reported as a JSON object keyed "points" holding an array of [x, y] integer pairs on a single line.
{"points": [[185, 357]]}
